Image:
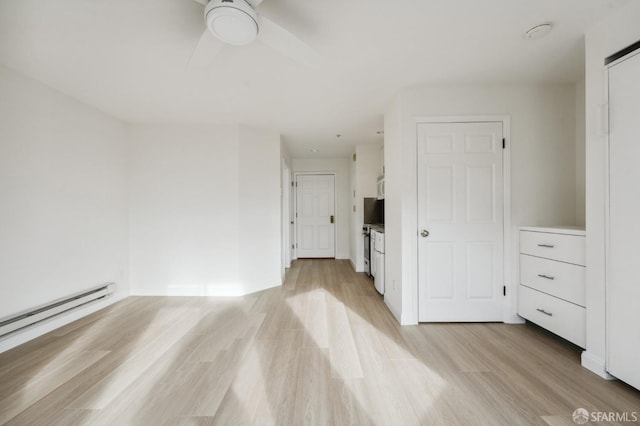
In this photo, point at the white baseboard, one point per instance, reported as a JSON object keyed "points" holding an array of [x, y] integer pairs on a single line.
{"points": [[393, 310], [231, 290], [409, 320], [53, 323], [596, 365], [514, 319], [353, 265], [403, 318]]}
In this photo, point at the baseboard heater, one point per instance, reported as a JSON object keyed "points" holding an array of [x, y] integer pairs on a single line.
{"points": [[31, 317]]}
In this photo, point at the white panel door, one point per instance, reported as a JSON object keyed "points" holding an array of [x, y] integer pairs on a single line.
{"points": [[623, 287], [460, 206], [315, 203]]}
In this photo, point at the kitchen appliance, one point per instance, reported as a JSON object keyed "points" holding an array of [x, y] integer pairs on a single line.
{"points": [[373, 218], [378, 259], [373, 213], [366, 232]]}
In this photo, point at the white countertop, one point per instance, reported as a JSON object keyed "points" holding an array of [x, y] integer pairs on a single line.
{"points": [[569, 230]]}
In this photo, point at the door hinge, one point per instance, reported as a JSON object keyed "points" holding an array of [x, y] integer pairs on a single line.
{"points": [[504, 290], [504, 143], [292, 184], [292, 246]]}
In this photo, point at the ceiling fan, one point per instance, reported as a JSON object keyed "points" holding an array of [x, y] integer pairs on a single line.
{"points": [[236, 22]]}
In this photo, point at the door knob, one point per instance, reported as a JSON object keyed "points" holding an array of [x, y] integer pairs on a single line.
{"points": [[424, 233]]}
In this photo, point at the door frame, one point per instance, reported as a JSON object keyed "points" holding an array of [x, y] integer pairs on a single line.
{"points": [[295, 210], [509, 274], [286, 218]]}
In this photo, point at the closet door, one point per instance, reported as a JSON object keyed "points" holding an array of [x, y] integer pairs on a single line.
{"points": [[623, 287]]}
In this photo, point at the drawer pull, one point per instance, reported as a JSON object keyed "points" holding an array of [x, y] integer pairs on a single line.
{"points": [[546, 276], [544, 312], [546, 245]]}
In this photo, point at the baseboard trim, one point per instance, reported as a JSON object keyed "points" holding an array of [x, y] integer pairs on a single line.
{"points": [[56, 322], [202, 291], [514, 319], [393, 310], [595, 365], [409, 320]]}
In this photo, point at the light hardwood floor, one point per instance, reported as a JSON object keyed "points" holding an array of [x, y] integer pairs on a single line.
{"points": [[323, 349]]}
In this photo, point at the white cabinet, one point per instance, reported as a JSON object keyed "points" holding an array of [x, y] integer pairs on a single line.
{"points": [[373, 253], [552, 245], [378, 260], [563, 280], [552, 280]]}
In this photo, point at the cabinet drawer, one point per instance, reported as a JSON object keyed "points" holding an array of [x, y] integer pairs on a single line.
{"points": [[559, 279], [562, 247], [562, 318]]}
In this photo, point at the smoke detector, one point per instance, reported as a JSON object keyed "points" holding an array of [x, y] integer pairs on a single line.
{"points": [[538, 31]]}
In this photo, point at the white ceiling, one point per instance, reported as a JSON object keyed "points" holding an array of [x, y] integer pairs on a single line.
{"points": [[129, 58]]}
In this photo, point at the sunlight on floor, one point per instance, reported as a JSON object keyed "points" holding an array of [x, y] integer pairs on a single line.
{"points": [[357, 346], [162, 331], [250, 388]]}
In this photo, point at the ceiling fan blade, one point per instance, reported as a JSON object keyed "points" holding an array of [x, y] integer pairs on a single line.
{"points": [[281, 40], [253, 3], [205, 52], [202, 2]]}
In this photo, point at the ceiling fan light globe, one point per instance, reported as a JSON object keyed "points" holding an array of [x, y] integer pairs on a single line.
{"points": [[232, 22]]}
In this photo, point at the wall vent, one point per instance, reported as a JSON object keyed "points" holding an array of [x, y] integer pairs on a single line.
{"points": [[29, 318]]}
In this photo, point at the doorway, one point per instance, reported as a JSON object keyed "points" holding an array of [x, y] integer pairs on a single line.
{"points": [[461, 234], [315, 216]]}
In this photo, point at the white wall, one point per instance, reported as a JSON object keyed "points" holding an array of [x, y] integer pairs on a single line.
{"points": [[354, 231], [394, 199], [543, 172], [614, 33], [205, 210], [339, 166], [367, 170], [260, 205], [286, 208], [580, 153], [63, 212]]}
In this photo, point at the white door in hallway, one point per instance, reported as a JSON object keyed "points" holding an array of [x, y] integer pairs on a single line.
{"points": [[460, 221], [315, 202]]}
